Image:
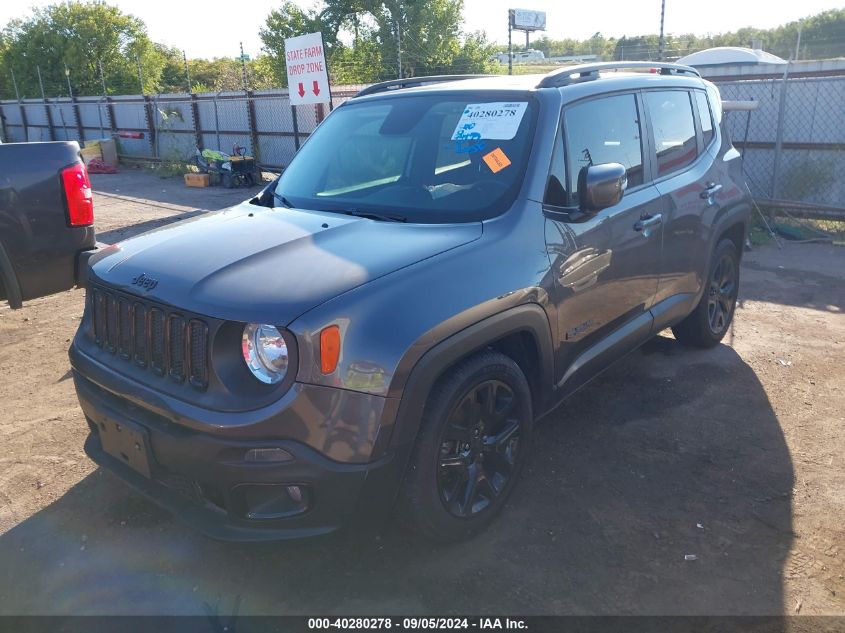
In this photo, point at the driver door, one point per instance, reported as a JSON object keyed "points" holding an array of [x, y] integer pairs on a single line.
{"points": [[605, 266]]}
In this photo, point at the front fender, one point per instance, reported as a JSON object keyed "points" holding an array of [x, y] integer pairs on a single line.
{"points": [[426, 369]]}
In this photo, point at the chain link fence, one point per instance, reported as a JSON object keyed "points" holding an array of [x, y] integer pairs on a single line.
{"points": [[793, 144], [169, 127]]}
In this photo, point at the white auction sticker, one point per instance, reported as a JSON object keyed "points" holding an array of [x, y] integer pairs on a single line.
{"points": [[494, 121]]}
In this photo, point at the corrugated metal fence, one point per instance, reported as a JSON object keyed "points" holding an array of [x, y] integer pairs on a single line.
{"points": [[793, 145], [170, 126]]}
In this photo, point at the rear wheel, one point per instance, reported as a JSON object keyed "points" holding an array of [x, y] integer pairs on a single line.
{"points": [[472, 444], [712, 317]]}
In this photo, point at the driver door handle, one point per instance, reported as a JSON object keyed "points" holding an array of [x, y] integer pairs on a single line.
{"points": [[648, 221]]}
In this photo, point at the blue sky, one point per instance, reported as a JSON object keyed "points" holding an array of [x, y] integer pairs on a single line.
{"points": [[214, 27]]}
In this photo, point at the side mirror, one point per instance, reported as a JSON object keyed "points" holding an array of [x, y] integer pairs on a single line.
{"points": [[601, 186]]}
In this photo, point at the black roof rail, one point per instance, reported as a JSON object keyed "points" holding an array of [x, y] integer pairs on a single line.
{"points": [[412, 82], [565, 76]]}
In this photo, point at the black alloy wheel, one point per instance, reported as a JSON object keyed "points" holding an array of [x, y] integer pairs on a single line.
{"points": [[478, 449], [722, 294], [473, 441]]}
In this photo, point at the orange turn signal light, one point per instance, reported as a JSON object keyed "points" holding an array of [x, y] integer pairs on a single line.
{"points": [[329, 348]]}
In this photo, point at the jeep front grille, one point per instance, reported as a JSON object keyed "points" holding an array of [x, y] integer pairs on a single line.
{"points": [[151, 336]]}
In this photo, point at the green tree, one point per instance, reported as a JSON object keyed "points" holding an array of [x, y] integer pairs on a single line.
{"points": [[80, 36], [288, 21], [429, 30]]}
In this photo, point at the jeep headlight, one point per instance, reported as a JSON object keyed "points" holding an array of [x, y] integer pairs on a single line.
{"points": [[265, 352]]}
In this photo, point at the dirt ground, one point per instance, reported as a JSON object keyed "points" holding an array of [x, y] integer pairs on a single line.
{"points": [[733, 455]]}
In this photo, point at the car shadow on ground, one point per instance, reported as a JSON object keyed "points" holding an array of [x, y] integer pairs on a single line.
{"points": [[670, 455]]}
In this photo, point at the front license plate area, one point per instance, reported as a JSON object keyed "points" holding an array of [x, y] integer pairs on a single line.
{"points": [[127, 443]]}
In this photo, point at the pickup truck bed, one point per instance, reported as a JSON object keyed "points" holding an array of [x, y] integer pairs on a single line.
{"points": [[42, 234]]}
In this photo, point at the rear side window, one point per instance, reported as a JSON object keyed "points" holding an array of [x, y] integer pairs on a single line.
{"points": [[674, 129], [705, 116], [605, 130]]}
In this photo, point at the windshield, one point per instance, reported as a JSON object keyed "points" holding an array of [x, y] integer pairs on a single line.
{"points": [[421, 158]]}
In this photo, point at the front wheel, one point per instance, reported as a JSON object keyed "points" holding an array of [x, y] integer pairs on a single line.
{"points": [[709, 322], [472, 444]]}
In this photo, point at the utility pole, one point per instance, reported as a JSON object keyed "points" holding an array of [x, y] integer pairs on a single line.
{"points": [[243, 67], [399, 51], [662, 38], [798, 43], [187, 72], [510, 41]]}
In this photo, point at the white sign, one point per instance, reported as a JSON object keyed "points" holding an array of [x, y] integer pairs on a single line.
{"points": [[308, 78], [529, 20], [494, 121]]}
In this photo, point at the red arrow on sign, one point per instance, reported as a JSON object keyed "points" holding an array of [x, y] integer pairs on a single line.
{"points": [[316, 87], [301, 90]]}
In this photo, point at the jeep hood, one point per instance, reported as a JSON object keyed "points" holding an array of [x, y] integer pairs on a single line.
{"points": [[250, 263]]}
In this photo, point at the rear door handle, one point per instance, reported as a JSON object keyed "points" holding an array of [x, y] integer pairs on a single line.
{"points": [[648, 222], [710, 190]]}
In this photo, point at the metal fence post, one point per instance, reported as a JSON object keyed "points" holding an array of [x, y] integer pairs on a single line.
{"points": [[295, 127], [78, 118], [3, 130], [217, 121], [110, 112], [47, 112], [779, 134], [151, 130], [24, 121], [195, 115], [253, 130]]}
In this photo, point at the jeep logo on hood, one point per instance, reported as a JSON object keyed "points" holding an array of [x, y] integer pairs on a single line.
{"points": [[147, 283]]}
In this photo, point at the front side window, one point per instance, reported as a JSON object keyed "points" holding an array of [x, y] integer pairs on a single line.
{"points": [[555, 191], [424, 158], [605, 130], [674, 129]]}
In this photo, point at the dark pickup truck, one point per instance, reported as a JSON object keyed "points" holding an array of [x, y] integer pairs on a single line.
{"points": [[46, 219]]}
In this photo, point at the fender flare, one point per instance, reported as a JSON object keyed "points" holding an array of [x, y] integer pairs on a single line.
{"points": [[528, 318], [10, 280], [731, 217]]}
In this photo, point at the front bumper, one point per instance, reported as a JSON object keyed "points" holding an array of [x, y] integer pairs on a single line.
{"points": [[201, 477]]}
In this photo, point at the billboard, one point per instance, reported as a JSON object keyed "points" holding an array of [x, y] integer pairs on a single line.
{"points": [[526, 20]]}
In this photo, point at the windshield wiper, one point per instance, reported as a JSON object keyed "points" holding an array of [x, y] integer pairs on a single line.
{"points": [[370, 215]]}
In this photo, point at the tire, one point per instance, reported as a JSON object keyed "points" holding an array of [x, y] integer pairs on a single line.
{"points": [[707, 325], [466, 458]]}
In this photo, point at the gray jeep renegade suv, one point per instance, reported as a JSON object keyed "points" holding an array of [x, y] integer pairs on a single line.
{"points": [[443, 262]]}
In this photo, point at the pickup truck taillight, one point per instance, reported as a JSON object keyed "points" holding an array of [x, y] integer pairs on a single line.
{"points": [[80, 201]]}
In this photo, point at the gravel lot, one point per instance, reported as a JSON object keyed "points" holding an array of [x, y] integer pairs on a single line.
{"points": [[734, 455]]}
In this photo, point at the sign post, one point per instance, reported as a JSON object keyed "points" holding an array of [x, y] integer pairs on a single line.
{"points": [[523, 20], [308, 77]]}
